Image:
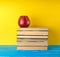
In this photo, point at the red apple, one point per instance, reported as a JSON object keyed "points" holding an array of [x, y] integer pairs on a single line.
{"points": [[23, 21]]}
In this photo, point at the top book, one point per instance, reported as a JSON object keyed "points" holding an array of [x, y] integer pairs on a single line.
{"points": [[33, 29]]}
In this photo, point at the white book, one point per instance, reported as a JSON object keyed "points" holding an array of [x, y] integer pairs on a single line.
{"points": [[33, 29], [44, 43], [32, 48], [32, 40], [32, 36], [32, 33]]}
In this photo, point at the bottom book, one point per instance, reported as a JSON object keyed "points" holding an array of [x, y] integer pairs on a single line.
{"points": [[32, 48]]}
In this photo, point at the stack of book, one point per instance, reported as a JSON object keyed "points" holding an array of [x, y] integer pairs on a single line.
{"points": [[32, 39]]}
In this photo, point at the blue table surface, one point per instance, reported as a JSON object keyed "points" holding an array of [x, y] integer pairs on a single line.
{"points": [[10, 51]]}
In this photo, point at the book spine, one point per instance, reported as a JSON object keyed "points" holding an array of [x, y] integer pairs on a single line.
{"points": [[32, 33], [45, 43], [32, 40], [33, 29], [32, 37], [32, 48]]}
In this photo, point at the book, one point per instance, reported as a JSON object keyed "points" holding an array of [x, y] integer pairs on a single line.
{"points": [[41, 43], [45, 43], [33, 29], [32, 36], [32, 48], [36, 33], [32, 39]]}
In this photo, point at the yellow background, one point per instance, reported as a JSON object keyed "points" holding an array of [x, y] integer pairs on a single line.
{"points": [[45, 13]]}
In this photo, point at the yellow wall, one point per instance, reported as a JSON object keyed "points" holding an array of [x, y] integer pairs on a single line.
{"points": [[41, 13]]}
